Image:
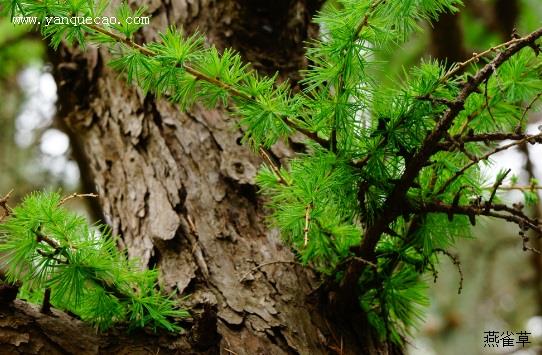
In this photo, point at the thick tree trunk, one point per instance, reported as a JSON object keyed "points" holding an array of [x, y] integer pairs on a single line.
{"points": [[179, 189]]}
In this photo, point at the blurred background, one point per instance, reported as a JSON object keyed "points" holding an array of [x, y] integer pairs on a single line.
{"points": [[502, 284]]}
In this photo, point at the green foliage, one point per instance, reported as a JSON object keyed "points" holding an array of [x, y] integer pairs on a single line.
{"points": [[44, 246], [319, 186], [363, 138], [16, 49], [402, 298]]}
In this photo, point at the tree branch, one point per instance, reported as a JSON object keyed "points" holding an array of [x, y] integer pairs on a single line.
{"points": [[511, 215], [528, 139], [201, 76], [457, 263], [392, 205], [62, 333], [393, 208], [307, 223], [4, 205], [486, 138]]}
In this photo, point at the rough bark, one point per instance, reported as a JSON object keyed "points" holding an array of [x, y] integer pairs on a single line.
{"points": [[24, 330], [179, 189]]}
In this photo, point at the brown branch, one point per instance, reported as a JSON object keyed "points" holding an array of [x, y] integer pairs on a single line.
{"points": [[40, 237], [498, 182], [476, 57], [416, 163], [4, 205], [307, 222], [276, 170], [201, 76], [528, 139], [529, 107], [485, 138], [457, 263], [365, 21], [393, 206], [75, 195], [519, 188], [512, 215], [532, 222]]}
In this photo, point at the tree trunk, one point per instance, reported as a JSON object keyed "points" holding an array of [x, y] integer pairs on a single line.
{"points": [[179, 190]]}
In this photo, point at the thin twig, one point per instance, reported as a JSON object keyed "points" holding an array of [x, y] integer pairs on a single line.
{"points": [[512, 215], [434, 100], [4, 205], [365, 21], [460, 145], [529, 107], [201, 76], [40, 237], [534, 138], [364, 261], [193, 238], [276, 170], [340, 80], [471, 118], [517, 187], [485, 138], [498, 182], [488, 106], [475, 58], [76, 195], [51, 256], [457, 263], [307, 222]]}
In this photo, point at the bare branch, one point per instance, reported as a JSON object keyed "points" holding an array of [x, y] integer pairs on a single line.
{"points": [[486, 138], [40, 237], [527, 139], [476, 57], [307, 222], [4, 205], [498, 182], [519, 188], [75, 195], [457, 263], [529, 107], [511, 215], [276, 170]]}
